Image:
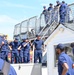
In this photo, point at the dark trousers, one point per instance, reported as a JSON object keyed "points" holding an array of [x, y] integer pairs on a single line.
{"points": [[38, 56], [28, 56], [4, 55], [21, 56], [25, 56], [62, 18], [15, 56]]}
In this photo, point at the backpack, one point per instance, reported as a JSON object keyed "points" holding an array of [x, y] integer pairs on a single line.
{"points": [[5, 68]]}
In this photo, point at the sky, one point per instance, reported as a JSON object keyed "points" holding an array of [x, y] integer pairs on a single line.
{"points": [[13, 12]]}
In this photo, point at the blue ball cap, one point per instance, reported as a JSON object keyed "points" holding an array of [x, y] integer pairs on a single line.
{"points": [[50, 4], [16, 38], [63, 1], [57, 1], [44, 6], [37, 35], [60, 46], [24, 39]]}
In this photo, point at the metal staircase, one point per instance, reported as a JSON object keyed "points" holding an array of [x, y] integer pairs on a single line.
{"points": [[47, 33], [51, 28]]}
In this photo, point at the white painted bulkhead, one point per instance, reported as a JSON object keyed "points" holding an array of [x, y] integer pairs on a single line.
{"points": [[60, 35], [28, 69]]}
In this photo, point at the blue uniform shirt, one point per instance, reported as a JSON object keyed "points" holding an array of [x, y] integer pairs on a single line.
{"points": [[5, 46], [27, 47], [45, 12], [50, 8], [38, 44], [63, 8], [64, 58], [73, 50], [14, 45], [1, 39], [11, 71]]}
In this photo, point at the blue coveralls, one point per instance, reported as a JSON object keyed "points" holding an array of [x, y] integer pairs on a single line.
{"points": [[51, 14], [50, 8], [46, 15], [29, 53], [73, 50], [11, 71], [14, 52], [0, 44], [5, 50], [21, 53], [38, 50], [62, 12], [25, 52], [64, 58]]}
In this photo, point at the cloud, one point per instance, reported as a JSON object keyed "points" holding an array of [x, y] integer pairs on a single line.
{"points": [[7, 19]]}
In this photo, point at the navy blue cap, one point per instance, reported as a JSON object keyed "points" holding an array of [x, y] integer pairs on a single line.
{"points": [[16, 38], [60, 46], [44, 6], [24, 38], [57, 1], [63, 1], [50, 4], [37, 35]]}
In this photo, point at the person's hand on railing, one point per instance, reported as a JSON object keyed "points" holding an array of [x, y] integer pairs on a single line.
{"points": [[44, 50]]}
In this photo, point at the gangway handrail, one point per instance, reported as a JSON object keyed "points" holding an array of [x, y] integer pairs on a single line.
{"points": [[46, 31], [71, 4], [52, 32], [44, 53], [40, 25], [55, 13], [58, 22], [49, 19], [68, 27]]}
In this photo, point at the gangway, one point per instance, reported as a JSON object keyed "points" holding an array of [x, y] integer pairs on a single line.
{"points": [[48, 31]]}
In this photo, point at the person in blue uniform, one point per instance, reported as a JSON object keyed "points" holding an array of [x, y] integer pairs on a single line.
{"points": [[58, 3], [46, 14], [50, 7], [4, 48], [62, 12], [11, 70], [37, 45], [51, 14], [1, 39], [25, 46], [14, 50], [29, 50], [65, 63], [20, 49]]}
